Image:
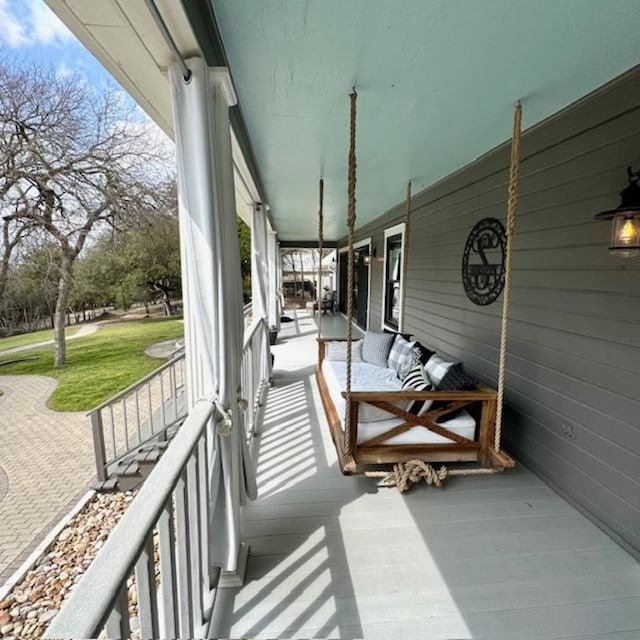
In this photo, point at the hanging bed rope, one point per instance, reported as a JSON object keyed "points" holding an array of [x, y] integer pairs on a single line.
{"points": [[512, 210], [405, 256], [405, 474], [351, 223], [320, 243]]}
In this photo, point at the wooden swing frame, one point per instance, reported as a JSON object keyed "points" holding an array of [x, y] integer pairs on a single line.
{"points": [[354, 457], [485, 403]]}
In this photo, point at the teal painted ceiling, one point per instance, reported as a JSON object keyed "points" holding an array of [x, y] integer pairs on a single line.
{"points": [[437, 81]]}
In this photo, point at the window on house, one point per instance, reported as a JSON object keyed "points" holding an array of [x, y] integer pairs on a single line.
{"points": [[393, 277]]}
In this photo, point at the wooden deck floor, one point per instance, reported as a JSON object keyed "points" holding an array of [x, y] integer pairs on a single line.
{"points": [[334, 557]]}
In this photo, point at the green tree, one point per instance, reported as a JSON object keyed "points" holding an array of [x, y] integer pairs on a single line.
{"points": [[244, 237]]}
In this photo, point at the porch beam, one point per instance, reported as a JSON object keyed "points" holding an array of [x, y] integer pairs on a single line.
{"points": [[308, 244]]}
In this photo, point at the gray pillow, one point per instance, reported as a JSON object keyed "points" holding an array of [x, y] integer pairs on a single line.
{"points": [[376, 346]]}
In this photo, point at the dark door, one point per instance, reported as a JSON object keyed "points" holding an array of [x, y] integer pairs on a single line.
{"points": [[360, 285], [342, 285]]}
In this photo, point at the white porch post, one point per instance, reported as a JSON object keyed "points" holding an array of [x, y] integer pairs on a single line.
{"points": [[272, 289], [212, 288], [259, 262], [279, 279]]}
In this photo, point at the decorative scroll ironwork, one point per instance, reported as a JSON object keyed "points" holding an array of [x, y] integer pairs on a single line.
{"points": [[483, 261]]}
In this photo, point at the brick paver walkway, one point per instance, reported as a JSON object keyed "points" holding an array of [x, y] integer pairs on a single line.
{"points": [[47, 458]]}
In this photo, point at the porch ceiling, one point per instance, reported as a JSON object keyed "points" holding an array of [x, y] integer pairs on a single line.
{"points": [[437, 80]]}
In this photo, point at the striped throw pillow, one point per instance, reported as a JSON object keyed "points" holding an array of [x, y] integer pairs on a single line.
{"points": [[376, 346], [417, 380]]}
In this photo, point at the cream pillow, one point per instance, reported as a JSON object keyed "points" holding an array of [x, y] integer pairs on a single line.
{"points": [[338, 351]]}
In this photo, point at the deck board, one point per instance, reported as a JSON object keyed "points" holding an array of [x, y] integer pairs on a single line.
{"points": [[337, 557]]}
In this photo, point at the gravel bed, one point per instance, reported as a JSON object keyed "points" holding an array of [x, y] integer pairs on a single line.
{"points": [[33, 603]]}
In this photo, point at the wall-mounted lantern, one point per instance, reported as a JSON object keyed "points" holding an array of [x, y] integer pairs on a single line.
{"points": [[369, 257], [625, 220]]}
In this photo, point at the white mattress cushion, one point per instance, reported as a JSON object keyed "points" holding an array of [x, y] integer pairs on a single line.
{"points": [[368, 377], [463, 424], [364, 377]]}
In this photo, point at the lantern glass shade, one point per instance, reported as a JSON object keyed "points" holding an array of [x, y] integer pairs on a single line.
{"points": [[625, 219], [625, 235]]}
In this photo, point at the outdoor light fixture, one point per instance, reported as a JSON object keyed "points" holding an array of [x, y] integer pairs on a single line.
{"points": [[625, 225], [370, 256]]}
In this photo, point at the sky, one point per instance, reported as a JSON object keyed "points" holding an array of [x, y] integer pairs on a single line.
{"points": [[29, 31]]}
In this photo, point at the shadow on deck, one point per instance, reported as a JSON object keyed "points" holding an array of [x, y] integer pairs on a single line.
{"points": [[337, 557]]}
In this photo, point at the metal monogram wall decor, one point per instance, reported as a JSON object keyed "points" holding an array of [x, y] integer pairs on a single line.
{"points": [[483, 261]]}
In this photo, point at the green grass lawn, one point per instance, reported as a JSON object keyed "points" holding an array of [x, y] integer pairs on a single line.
{"points": [[99, 365], [31, 338]]}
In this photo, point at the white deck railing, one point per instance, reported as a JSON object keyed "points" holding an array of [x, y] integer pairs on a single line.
{"points": [[255, 373], [140, 413], [159, 549], [162, 543]]}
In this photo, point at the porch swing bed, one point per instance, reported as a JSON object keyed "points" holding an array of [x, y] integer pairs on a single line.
{"points": [[387, 427], [387, 401]]}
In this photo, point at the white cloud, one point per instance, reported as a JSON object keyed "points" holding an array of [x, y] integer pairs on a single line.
{"points": [[12, 31], [44, 26], [63, 70], [28, 23]]}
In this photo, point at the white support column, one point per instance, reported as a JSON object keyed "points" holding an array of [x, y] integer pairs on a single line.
{"points": [[273, 292], [279, 279], [212, 287], [259, 262]]}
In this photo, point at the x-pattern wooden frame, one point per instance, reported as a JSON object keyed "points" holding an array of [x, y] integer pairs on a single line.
{"points": [[375, 451]]}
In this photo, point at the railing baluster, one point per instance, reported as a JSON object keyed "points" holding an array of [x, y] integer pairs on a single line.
{"points": [[203, 502], [125, 423], [146, 585], [183, 564], [194, 540], [150, 406], [113, 432], [137, 405], [174, 395], [166, 544], [163, 420], [98, 445], [118, 621]]}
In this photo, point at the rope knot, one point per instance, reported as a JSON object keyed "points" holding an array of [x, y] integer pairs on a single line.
{"points": [[406, 474], [224, 424]]}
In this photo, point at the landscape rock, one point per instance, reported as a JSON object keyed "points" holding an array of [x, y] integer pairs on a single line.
{"points": [[47, 616], [28, 610], [65, 535]]}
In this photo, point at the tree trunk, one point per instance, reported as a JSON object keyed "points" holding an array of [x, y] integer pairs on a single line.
{"points": [[302, 280], [163, 290], [64, 285], [166, 305]]}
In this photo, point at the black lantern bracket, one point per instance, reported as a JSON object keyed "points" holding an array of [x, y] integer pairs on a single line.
{"points": [[629, 199]]}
